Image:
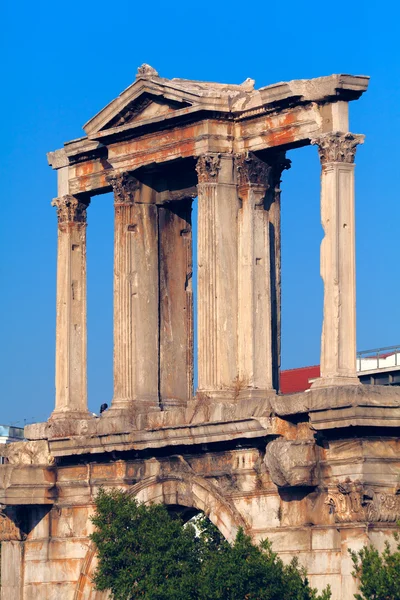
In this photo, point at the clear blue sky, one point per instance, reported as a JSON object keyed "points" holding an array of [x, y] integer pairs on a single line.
{"points": [[63, 61]]}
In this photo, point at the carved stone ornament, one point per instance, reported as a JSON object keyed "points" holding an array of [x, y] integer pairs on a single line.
{"points": [[252, 170], [9, 531], [124, 186], [146, 69], [207, 167], [351, 503], [70, 209], [337, 147], [279, 164]]}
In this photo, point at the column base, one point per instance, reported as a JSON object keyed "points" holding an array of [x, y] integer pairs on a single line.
{"points": [[234, 395], [127, 406], [171, 403], [335, 381], [69, 414], [256, 394]]}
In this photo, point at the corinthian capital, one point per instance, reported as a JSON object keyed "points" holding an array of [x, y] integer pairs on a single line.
{"points": [[337, 147], [70, 209], [207, 167], [252, 170], [124, 186]]}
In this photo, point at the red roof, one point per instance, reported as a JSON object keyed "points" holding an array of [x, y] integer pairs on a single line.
{"points": [[297, 380]]}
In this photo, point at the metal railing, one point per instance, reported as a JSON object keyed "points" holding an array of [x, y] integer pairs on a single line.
{"points": [[378, 358]]}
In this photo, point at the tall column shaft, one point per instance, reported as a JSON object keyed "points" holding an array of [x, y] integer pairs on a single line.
{"points": [[136, 294], [217, 275], [176, 303], [338, 343], [71, 334], [278, 163], [254, 280]]}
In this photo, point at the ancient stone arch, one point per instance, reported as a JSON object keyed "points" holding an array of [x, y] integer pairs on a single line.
{"points": [[316, 472], [183, 490]]}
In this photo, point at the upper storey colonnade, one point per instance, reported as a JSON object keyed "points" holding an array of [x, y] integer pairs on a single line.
{"points": [[157, 146]]}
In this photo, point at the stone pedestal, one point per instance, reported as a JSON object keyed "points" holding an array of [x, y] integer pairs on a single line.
{"points": [[71, 360], [136, 294], [338, 344], [217, 257]]}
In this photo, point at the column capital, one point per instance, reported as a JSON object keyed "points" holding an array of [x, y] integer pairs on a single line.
{"points": [[252, 171], [337, 146], [208, 166], [279, 163], [70, 209], [124, 186]]}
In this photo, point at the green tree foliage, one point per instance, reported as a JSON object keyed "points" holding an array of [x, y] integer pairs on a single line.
{"points": [[379, 573], [144, 553]]}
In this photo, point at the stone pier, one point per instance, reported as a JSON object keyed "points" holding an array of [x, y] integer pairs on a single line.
{"points": [[317, 473]]}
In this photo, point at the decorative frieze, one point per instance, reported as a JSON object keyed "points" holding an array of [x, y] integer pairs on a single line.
{"points": [[70, 209], [337, 147], [350, 502], [207, 167], [124, 186]]}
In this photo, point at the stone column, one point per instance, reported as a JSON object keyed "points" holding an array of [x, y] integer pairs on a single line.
{"points": [[278, 163], [254, 280], [338, 343], [71, 361], [136, 299], [176, 303], [218, 206]]}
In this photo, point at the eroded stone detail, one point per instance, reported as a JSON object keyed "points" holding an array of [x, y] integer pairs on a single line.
{"points": [[27, 453], [9, 531], [279, 164], [146, 69], [338, 147], [124, 186], [252, 170], [207, 167], [291, 463], [351, 503], [70, 209]]}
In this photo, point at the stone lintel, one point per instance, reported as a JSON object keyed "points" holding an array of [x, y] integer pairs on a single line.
{"points": [[27, 484], [205, 433]]}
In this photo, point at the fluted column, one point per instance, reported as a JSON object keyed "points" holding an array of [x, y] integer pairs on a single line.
{"points": [[217, 275], [278, 163], [255, 346], [176, 303], [71, 334], [136, 298], [338, 343]]}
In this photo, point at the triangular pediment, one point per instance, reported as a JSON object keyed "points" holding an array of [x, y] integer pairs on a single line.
{"points": [[143, 100], [145, 107], [151, 97]]}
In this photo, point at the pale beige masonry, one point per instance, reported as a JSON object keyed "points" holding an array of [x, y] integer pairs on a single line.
{"points": [[218, 206], [338, 343], [71, 361], [310, 471], [136, 310], [254, 279]]}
